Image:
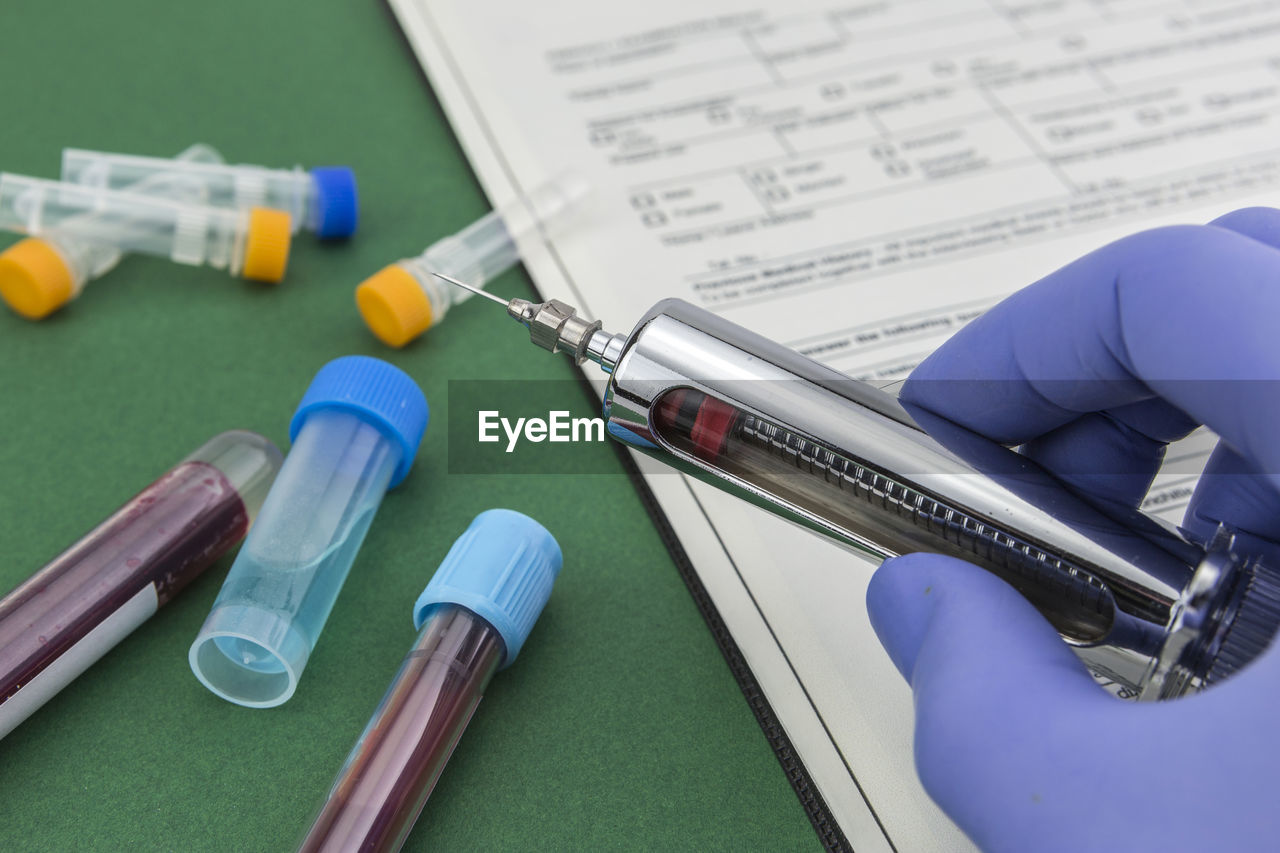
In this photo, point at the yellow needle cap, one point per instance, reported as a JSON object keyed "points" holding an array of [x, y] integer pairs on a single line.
{"points": [[34, 279], [266, 248], [393, 305]]}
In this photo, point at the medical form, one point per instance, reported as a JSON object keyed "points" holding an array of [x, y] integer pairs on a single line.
{"points": [[857, 181]]}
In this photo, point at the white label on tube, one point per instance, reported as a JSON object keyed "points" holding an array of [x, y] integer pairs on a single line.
{"points": [[78, 658]]}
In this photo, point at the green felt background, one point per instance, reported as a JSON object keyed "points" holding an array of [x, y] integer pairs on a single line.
{"points": [[619, 727]]}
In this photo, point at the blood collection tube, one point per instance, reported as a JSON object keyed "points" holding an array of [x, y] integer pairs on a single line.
{"points": [[403, 300], [250, 243], [474, 616], [38, 275], [322, 200], [354, 435], [71, 612]]}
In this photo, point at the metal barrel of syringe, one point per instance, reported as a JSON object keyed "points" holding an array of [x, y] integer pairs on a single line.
{"points": [[1140, 604]]}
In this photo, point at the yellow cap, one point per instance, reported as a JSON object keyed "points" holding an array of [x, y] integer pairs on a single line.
{"points": [[266, 248], [393, 305], [34, 279]]}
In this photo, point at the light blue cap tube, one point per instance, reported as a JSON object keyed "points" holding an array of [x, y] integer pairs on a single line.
{"points": [[354, 436], [473, 618], [501, 569]]}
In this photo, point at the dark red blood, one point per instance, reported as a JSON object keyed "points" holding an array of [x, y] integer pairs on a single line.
{"points": [[701, 420], [395, 764], [53, 609], [712, 426]]}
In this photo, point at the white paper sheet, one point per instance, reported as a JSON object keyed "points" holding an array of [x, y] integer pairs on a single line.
{"points": [[857, 181]]}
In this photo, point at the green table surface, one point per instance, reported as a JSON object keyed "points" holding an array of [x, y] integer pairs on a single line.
{"points": [[620, 726]]}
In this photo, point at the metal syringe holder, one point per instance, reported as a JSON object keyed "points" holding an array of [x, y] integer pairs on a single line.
{"points": [[1139, 604]]}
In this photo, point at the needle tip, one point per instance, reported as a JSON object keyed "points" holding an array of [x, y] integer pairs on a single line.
{"points": [[472, 288]]}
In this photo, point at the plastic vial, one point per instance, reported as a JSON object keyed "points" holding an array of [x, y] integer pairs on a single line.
{"points": [[403, 300], [251, 243], [322, 200], [38, 275], [354, 436], [474, 616], [71, 612]]}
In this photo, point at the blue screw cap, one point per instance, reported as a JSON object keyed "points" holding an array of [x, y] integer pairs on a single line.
{"points": [[501, 569], [381, 393], [337, 209]]}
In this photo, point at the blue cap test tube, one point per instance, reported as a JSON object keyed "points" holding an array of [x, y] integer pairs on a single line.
{"points": [[322, 200], [473, 617], [354, 436]]}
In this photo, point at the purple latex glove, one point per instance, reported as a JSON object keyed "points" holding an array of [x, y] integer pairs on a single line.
{"points": [[1092, 371]]}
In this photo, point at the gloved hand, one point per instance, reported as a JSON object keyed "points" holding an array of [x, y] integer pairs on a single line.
{"points": [[1092, 370]]}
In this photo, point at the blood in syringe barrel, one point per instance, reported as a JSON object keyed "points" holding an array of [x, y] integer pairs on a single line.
{"points": [[885, 512], [134, 561]]}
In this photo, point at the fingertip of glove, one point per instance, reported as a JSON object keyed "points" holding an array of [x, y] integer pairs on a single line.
{"points": [[900, 599]]}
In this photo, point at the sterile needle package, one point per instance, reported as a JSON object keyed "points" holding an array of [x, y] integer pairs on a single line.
{"points": [[354, 435]]}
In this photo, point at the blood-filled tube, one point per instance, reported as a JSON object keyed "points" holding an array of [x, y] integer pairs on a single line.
{"points": [[474, 617], [63, 618]]}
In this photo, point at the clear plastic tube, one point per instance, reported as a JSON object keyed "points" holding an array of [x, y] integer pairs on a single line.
{"points": [[354, 437], [39, 275], [253, 243], [282, 587], [404, 299], [67, 615], [88, 261], [308, 196]]}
